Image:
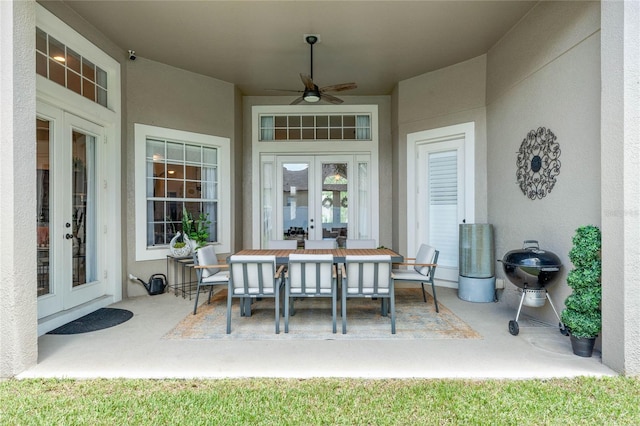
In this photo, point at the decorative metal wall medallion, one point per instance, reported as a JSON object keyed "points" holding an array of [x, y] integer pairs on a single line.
{"points": [[538, 163]]}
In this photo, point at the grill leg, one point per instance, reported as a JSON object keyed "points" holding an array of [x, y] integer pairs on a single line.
{"points": [[563, 329], [520, 307]]}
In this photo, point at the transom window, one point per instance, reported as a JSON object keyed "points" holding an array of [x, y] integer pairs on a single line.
{"points": [[300, 127], [60, 64]]}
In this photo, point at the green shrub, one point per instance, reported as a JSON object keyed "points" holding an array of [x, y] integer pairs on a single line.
{"points": [[582, 315]]}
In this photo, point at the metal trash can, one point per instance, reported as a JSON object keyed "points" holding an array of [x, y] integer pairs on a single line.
{"points": [[477, 281]]}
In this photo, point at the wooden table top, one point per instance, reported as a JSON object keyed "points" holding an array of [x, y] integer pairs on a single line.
{"points": [[339, 254]]}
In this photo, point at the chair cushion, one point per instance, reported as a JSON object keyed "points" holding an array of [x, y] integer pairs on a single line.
{"points": [[425, 255], [257, 266], [207, 256], [408, 275], [369, 263], [311, 262], [219, 278]]}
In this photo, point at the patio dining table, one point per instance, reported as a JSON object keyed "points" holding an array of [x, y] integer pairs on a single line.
{"points": [[339, 256]]}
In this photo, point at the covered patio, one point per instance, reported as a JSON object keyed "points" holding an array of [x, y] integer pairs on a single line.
{"points": [[138, 349], [569, 67]]}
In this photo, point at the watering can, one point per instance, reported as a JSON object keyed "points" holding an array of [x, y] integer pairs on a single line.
{"points": [[156, 285]]}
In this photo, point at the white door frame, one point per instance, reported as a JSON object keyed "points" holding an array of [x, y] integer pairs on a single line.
{"points": [[358, 149], [109, 165], [442, 134]]}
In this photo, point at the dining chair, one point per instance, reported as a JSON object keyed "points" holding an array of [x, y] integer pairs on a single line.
{"points": [[282, 244], [361, 243], [208, 271], [421, 269], [369, 277], [254, 277], [320, 244], [310, 275]]}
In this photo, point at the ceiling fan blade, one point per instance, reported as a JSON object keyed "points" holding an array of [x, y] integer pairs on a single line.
{"points": [[284, 90], [308, 83], [331, 99], [339, 87], [296, 101]]}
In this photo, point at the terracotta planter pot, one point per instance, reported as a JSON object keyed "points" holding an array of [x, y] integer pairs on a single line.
{"points": [[583, 346]]}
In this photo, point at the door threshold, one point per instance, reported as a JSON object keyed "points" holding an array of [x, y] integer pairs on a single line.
{"points": [[58, 319]]}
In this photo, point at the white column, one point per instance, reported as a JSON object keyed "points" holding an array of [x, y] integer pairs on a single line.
{"points": [[620, 150], [18, 301]]}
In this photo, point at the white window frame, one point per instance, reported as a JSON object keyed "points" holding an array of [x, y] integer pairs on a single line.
{"points": [[142, 133]]}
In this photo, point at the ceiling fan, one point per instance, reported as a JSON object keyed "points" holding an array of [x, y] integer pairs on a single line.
{"points": [[312, 93]]}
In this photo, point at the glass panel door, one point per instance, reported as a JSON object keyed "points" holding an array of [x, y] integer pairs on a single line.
{"points": [[83, 208], [79, 277], [44, 199], [296, 193], [312, 198], [67, 206], [335, 201]]}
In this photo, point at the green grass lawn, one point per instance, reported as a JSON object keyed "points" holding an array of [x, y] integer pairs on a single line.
{"points": [[584, 401]]}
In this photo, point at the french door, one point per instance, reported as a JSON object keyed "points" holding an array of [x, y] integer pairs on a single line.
{"points": [[67, 210], [317, 197]]}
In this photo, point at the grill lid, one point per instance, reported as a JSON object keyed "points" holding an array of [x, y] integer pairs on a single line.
{"points": [[531, 256]]}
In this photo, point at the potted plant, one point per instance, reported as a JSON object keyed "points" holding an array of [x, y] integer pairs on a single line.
{"points": [[197, 230], [582, 316], [179, 245]]}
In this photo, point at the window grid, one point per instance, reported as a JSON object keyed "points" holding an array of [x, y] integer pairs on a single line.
{"points": [[297, 127], [179, 176], [62, 65]]}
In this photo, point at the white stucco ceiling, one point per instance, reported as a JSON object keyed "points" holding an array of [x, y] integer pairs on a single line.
{"points": [[260, 45]]}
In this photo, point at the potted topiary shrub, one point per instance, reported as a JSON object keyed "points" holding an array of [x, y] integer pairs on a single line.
{"points": [[582, 316]]}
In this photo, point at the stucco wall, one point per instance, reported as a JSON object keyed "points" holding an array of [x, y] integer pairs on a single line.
{"points": [[384, 169], [165, 96], [445, 97], [18, 309], [620, 134], [545, 72]]}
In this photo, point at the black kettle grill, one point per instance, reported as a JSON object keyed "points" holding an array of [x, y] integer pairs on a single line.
{"points": [[532, 270]]}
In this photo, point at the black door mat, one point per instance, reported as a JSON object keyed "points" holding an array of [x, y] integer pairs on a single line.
{"points": [[98, 320]]}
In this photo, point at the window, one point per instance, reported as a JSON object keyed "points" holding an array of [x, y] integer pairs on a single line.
{"points": [[292, 127], [177, 171], [60, 64]]}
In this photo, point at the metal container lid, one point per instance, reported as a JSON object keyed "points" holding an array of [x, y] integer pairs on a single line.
{"points": [[531, 256]]}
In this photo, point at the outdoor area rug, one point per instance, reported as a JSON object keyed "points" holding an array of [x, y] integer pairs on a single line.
{"points": [[98, 320], [312, 320]]}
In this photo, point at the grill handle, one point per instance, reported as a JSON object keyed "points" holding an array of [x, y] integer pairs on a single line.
{"points": [[550, 269], [530, 243]]}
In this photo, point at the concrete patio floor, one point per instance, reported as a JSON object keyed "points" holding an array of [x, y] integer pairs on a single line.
{"points": [[136, 349]]}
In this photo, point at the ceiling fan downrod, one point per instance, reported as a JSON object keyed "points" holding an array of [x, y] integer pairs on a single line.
{"points": [[311, 39]]}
